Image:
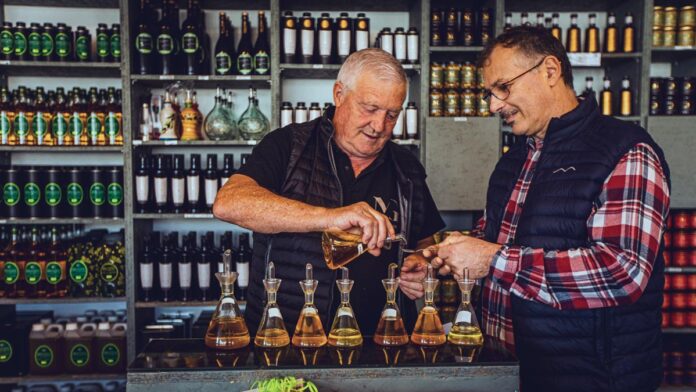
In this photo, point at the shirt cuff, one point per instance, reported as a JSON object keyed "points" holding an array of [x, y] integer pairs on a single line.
{"points": [[505, 265]]}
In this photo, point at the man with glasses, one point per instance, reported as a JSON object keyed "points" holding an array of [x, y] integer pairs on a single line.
{"points": [[570, 245], [337, 171]]}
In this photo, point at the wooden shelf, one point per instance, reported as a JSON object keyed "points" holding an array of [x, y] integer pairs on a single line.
{"points": [[62, 378], [205, 81], [63, 149], [58, 69], [196, 143], [326, 71], [62, 221], [173, 216], [179, 304], [57, 301]]}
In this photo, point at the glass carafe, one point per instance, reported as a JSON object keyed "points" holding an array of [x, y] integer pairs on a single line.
{"points": [[272, 332], [465, 333], [309, 331], [341, 247], [253, 125], [428, 330], [390, 329], [220, 123], [227, 329], [345, 331]]}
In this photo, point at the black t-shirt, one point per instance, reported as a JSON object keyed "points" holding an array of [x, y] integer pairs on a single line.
{"points": [[376, 185]]}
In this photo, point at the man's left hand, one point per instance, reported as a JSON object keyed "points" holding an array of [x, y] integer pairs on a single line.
{"points": [[464, 252]]}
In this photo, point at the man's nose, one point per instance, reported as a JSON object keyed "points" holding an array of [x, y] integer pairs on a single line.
{"points": [[379, 121], [495, 104]]}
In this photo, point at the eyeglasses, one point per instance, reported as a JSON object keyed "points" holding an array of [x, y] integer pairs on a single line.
{"points": [[502, 91]]}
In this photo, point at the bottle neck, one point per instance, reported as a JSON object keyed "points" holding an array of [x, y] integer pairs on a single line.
{"points": [[309, 298], [466, 297], [429, 297], [391, 296], [345, 298], [272, 297]]}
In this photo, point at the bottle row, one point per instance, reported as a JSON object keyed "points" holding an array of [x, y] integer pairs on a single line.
{"points": [[37, 342], [679, 364], [300, 114], [164, 185], [681, 220], [679, 301], [613, 41], [672, 96], [59, 43], [461, 27], [455, 75], [78, 118], [673, 26], [61, 192], [609, 103], [36, 263], [451, 103], [680, 282]]}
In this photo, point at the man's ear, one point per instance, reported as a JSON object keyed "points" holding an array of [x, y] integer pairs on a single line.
{"points": [[552, 67], [339, 93]]}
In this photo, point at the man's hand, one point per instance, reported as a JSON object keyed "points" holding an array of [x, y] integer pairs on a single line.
{"points": [[413, 272], [452, 256], [375, 227]]}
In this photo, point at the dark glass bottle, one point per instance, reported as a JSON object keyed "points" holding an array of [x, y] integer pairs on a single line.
{"points": [[34, 269], [178, 184], [212, 181], [146, 270], [245, 60], [191, 41], [325, 38], [165, 269], [144, 44], [203, 269], [186, 265], [224, 48], [6, 41], [227, 169], [307, 34], [142, 184], [103, 43], [34, 42], [161, 176], [115, 43], [83, 44], [243, 262], [56, 274], [289, 49], [193, 184], [48, 42], [166, 43], [64, 43], [21, 50], [262, 50], [345, 45]]}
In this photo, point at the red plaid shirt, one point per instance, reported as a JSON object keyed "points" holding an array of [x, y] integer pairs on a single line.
{"points": [[625, 231]]}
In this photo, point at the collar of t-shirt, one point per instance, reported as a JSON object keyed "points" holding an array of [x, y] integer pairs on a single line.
{"points": [[345, 168]]}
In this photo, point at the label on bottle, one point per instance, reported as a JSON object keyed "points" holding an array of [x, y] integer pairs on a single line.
{"points": [[412, 123], [82, 44], [93, 127], [324, 42], [63, 45], [165, 44], [203, 270], [245, 63], [11, 272], [274, 313], [223, 181], [43, 356], [46, 44], [243, 274], [387, 43], [223, 63], [60, 127], [178, 191], [143, 43], [285, 117], [10, 194], [189, 43], [75, 127], [103, 45], [309, 311], [220, 266], [193, 184], [262, 63], [20, 44], [343, 42], [211, 189], [4, 127], [142, 188], [79, 355], [115, 46], [463, 317], [32, 272], [289, 41], [35, 44], [40, 127], [161, 190], [400, 47], [111, 127], [5, 351], [146, 275], [97, 193], [110, 354], [307, 38], [54, 273], [300, 116], [114, 194], [21, 126], [165, 275], [362, 40], [6, 42], [412, 48], [32, 194], [108, 272], [389, 313], [53, 194], [78, 271], [185, 275], [344, 311]]}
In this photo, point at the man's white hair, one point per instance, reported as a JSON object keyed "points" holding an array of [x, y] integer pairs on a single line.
{"points": [[374, 60]]}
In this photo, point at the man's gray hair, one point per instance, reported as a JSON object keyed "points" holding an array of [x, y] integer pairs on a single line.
{"points": [[374, 60]]}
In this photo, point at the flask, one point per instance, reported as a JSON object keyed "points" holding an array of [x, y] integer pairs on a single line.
{"points": [[345, 331], [227, 329], [466, 333], [428, 330], [309, 332], [272, 332], [390, 329]]}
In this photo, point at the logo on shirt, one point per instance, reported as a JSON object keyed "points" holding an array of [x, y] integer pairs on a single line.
{"points": [[564, 170]]}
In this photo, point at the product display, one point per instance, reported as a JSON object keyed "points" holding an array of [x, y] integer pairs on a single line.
{"points": [[457, 90], [465, 27], [672, 96], [674, 26]]}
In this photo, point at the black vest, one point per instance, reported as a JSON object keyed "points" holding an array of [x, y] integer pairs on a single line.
{"points": [[607, 349], [312, 178]]}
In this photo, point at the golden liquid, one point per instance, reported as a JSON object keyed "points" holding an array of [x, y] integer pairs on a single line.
{"points": [[626, 103], [556, 32], [309, 331], [628, 40], [340, 248], [428, 330], [606, 103], [390, 332], [272, 337], [592, 40], [465, 335], [610, 41], [573, 45], [227, 334], [345, 337]]}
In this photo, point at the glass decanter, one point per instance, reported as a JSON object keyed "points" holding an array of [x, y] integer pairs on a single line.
{"points": [[466, 333], [227, 329], [345, 331], [390, 329], [220, 123], [253, 125], [341, 247], [428, 330], [309, 331], [272, 332]]}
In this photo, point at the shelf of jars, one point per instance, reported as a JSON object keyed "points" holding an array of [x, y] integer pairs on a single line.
{"points": [[62, 378], [173, 216], [180, 304], [195, 143], [57, 69], [58, 301], [62, 221], [205, 81]]}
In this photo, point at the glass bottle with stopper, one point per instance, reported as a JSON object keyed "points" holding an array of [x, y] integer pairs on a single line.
{"points": [[309, 331], [272, 332], [227, 329], [466, 333], [390, 329], [341, 247], [345, 331], [428, 330]]}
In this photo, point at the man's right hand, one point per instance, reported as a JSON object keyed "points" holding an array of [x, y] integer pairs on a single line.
{"points": [[374, 226]]}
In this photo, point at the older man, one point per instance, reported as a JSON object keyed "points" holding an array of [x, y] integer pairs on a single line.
{"points": [[571, 240], [338, 171]]}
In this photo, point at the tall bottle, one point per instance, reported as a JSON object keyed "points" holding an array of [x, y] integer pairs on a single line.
{"points": [[555, 28], [289, 48], [193, 184], [325, 38], [115, 43], [592, 36], [35, 268], [144, 43], [185, 267], [629, 34], [165, 268], [161, 176], [212, 181], [344, 36], [103, 43], [606, 100], [56, 276], [95, 118], [245, 50], [262, 50], [345, 331], [573, 36], [6, 116], [253, 125], [465, 333], [243, 262], [13, 271], [178, 183], [6, 41], [40, 124], [428, 330], [362, 32], [191, 40], [307, 38], [227, 169], [204, 267], [168, 119], [146, 266], [142, 184], [611, 35], [224, 48], [166, 42], [190, 120], [59, 121], [22, 120], [21, 47], [626, 97]]}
